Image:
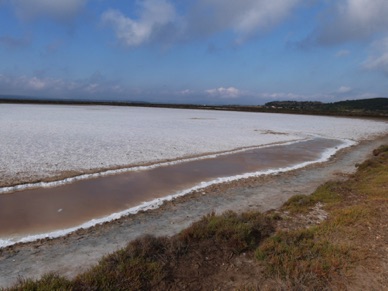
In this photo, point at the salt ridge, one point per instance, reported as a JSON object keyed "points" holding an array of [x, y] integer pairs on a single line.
{"points": [[156, 203], [21, 187]]}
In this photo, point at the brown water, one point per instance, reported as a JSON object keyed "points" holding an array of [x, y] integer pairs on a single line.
{"points": [[47, 209]]}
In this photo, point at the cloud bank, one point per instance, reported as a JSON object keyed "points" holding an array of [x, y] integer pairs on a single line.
{"points": [[378, 59], [153, 16], [222, 92], [353, 20], [95, 86], [344, 89], [61, 10], [244, 18], [340, 22], [159, 19]]}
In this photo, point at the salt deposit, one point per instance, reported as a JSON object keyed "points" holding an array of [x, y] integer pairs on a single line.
{"points": [[42, 141]]}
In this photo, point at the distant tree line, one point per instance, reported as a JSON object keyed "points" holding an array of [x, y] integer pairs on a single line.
{"points": [[375, 107], [362, 107]]}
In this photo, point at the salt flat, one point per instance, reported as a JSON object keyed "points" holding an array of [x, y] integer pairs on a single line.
{"points": [[42, 141]]}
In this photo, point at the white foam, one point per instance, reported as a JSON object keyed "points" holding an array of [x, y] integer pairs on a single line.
{"points": [[158, 202]]}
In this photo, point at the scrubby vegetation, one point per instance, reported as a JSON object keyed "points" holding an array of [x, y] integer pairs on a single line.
{"points": [[374, 107], [282, 249], [362, 107], [325, 256]]}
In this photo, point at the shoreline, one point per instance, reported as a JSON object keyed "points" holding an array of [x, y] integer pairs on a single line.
{"points": [[67, 177], [68, 255], [155, 201], [214, 107]]}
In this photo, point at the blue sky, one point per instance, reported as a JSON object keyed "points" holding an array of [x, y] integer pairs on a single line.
{"points": [[186, 51]]}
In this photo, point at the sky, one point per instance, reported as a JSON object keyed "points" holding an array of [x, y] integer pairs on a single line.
{"points": [[187, 51]]}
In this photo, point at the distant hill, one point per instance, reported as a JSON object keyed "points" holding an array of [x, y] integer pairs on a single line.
{"points": [[35, 100], [375, 107], [361, 107], [375, 104]]}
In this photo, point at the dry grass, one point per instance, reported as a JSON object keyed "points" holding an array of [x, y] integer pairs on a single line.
{"points": [[326, 255]]}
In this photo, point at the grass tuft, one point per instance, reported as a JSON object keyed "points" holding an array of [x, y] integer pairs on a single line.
{"points": [[380, 150], [238, 233], [327, 194], [48, 282], [302, 256], [133, 268]]}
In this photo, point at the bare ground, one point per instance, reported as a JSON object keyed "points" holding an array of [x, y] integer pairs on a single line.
{"points": [[75, 253]]}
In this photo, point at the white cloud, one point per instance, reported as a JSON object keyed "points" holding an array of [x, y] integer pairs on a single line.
{"points": [[92, 88], [154, 15], [378, 59], [283, 96], [158, 20], [222, 92], [185, 92], [344, 89], [261, 15], [354, 20], [45, 86], [36, 83], [243, 17], [342, 53], [55, 9]]}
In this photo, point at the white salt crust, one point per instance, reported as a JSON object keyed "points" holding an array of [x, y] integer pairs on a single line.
{"points": [[43, 141]]}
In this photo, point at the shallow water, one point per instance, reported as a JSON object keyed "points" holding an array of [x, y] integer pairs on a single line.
{"points": [[44, 210]]}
